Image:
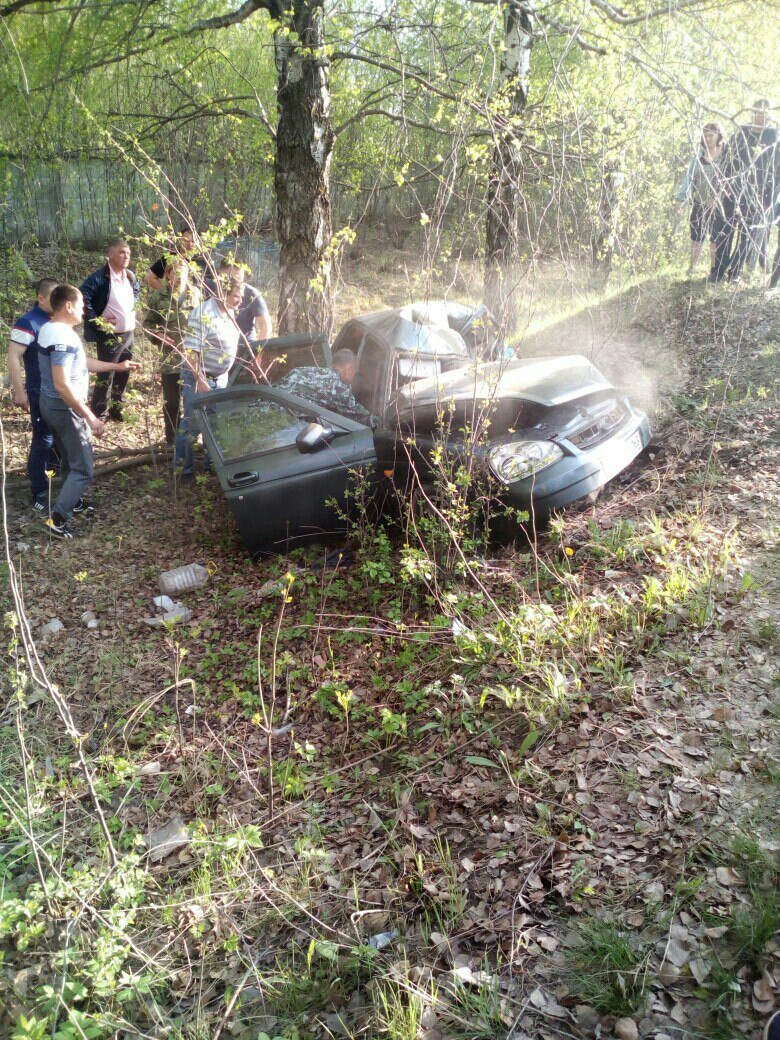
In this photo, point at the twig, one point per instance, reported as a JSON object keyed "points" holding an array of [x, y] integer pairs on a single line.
{"points": [[38, 673], [233, 1000]]}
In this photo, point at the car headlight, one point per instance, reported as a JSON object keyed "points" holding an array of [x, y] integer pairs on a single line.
{"points": [[521, 459]]}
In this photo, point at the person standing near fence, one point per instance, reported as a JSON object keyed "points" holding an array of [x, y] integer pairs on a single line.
{"points": [[750, 171], [23, 351], [702, 188], [110, 297], [184, 248]]}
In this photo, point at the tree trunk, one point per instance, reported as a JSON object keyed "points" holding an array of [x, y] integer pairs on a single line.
{"points": [[606, 226], [304, 144], [504, 192]]}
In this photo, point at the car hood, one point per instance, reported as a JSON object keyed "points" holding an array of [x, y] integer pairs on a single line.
{"points": [[544, 381]]}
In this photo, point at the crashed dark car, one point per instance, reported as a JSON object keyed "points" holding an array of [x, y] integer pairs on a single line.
{"points": [[557, 430]]}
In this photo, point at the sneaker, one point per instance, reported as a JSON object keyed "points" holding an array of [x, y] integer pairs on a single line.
{"points": [[40, 504], [772, 1031], [57, 526], [83, 508], [115, 415]]}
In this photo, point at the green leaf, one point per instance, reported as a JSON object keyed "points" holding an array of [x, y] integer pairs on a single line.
{"points": [[530, 739], [326, 949], [478, 760]]}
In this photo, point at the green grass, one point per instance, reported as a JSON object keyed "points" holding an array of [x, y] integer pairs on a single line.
{"points": [[607, 967], [753, 926]]}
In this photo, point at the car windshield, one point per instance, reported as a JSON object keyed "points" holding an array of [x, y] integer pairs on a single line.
{"points": [[241, 427]]}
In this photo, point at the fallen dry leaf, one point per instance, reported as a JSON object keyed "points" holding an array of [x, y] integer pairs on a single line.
{"points": [[626, 1029], [763, 990]]}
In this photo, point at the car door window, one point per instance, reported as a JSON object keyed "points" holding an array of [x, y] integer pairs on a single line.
{"points": [[242, 426]]}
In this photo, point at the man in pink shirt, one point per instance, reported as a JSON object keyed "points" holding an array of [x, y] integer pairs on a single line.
{"points": [[110, 297]]}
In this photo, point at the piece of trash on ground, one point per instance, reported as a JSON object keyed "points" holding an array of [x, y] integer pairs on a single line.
{"points": [[51, 628], [178, 613], [383, 939], [183, 579], [162, 841]]}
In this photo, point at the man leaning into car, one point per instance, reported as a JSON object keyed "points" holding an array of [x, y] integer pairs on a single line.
{"points": [[330, 388]]}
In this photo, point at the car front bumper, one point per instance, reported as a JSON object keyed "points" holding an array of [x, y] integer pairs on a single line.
{"points": [[579, 473]]}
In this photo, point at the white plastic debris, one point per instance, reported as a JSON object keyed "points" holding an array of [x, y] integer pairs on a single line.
{"points": [[383, 939], [182, 579], [51, 628], [149, 769], [279, 731], [163, 603], [22, 546], [164, 840], [178, 613], [461, 631], [89, 619]]}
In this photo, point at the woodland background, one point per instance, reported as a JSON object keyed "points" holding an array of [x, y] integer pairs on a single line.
{"points": [[529, 792]]}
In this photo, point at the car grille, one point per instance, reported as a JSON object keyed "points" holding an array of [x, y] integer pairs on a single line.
{"points": [[599, 430]]}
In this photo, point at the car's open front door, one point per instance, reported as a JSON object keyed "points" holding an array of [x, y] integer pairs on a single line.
{"points": [[279, 484]]}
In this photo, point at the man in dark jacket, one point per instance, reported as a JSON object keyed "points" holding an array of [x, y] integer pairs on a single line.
{"points": [[110, 297], [23, 351], [751, 172]]}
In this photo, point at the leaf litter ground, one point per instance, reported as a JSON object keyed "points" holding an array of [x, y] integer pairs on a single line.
{"points": [[563, 827]]}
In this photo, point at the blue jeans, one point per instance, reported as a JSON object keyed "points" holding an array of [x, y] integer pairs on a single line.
{"points": [[183, 455], [43, 454]]}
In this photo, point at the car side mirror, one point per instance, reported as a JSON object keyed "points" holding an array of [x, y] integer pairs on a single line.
{"points": [[313, 437]]}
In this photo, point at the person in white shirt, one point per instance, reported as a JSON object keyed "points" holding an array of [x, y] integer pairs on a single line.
{"points": [[210, 348], [65, 368], [110, 297]]}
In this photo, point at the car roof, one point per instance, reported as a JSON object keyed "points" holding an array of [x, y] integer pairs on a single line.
{"points": [[404, 336]]}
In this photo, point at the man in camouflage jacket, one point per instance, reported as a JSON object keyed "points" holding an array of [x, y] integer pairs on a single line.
{"points": [[166, 320], [330, 388]]}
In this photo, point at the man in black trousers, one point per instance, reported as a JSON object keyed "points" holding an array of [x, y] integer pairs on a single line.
{"points": [[749, 171], [110, 297]]}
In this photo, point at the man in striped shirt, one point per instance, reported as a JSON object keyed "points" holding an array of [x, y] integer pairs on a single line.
{"points": [[210, 348]]}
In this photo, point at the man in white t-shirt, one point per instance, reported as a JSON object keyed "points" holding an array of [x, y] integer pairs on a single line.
{"points": [[65, 369], [210, 348]]}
